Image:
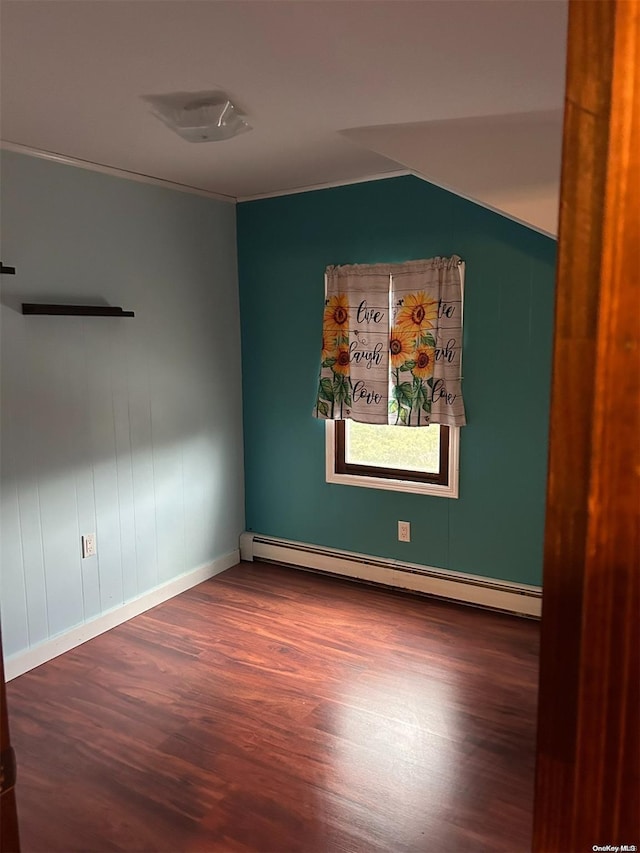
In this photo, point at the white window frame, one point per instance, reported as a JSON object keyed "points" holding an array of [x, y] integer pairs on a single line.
{"points": [[393, 485]]}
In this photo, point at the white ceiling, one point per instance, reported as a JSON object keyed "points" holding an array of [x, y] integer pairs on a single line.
{"points": [[510, 163], [73, 74]]}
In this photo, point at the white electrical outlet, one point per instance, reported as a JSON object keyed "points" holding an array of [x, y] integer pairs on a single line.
{"points": [[89, 545], [404, 531]]}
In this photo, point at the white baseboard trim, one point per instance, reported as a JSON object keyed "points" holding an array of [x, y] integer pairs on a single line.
{"points": [[22, 662], [464, 588]]}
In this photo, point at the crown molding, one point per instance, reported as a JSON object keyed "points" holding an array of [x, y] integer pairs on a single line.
{"points": [[52, 156], [400, 173]]}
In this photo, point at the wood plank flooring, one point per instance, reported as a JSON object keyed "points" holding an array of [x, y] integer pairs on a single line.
{"points": [[274, 710]]}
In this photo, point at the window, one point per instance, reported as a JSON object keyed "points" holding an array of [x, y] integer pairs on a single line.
{"points": [[402, 459], [390, 363]]}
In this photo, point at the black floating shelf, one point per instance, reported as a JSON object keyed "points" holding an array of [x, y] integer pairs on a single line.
{"points": [[75, 310], [7, 270]]}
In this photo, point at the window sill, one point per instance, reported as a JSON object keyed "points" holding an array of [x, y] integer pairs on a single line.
{"points": [[393, 485]]}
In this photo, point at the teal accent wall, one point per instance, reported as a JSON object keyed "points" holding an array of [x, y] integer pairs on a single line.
{"points": [[495, 528]]}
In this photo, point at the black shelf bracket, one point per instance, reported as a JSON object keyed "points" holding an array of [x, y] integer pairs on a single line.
{"points": [[75, 310], [7, 270]]}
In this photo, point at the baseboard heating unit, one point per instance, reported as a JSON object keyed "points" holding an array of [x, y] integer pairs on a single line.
{"points": [[522, 599]]}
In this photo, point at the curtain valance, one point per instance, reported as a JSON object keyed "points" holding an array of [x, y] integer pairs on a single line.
{"points": [[392, 343]]}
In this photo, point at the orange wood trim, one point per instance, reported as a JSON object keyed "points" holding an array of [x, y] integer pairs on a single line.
{"points": [[9, 838], [588, 761]]}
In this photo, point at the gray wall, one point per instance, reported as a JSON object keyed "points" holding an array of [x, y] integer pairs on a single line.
{"points": [[130, 428]]}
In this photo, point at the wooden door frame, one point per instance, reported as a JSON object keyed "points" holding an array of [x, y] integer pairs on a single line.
{"points": [[9, 839], [586, 790]]}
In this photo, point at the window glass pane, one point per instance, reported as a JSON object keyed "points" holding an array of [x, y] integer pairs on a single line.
{"points": [[393, 447]]}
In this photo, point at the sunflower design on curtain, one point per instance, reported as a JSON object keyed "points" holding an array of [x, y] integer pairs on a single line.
{"points": [[413, 351], [335, 389], [391, 344]]}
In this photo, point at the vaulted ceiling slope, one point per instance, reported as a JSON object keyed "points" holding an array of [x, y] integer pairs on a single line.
{"points": [[317, 81]]}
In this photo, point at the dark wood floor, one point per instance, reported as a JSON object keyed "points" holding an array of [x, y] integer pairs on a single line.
{"points": [[275, 710]]}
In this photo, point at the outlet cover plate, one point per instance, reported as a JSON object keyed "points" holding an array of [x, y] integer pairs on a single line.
{"points": [[88, 545], [404, 531]]}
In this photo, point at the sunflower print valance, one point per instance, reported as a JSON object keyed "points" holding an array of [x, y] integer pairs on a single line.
{"points": [[392, 344]]}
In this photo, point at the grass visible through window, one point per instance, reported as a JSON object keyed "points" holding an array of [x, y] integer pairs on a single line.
{"points": [[414, 449]]}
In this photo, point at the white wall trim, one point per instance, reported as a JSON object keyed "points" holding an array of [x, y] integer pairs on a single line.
{"points": [[18, 148], [7, 145], [327, 185], [522, 599], [22, 662]]}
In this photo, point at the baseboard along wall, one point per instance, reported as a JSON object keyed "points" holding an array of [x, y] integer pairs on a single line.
{"points": [[22, 662], [521, 599]]}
